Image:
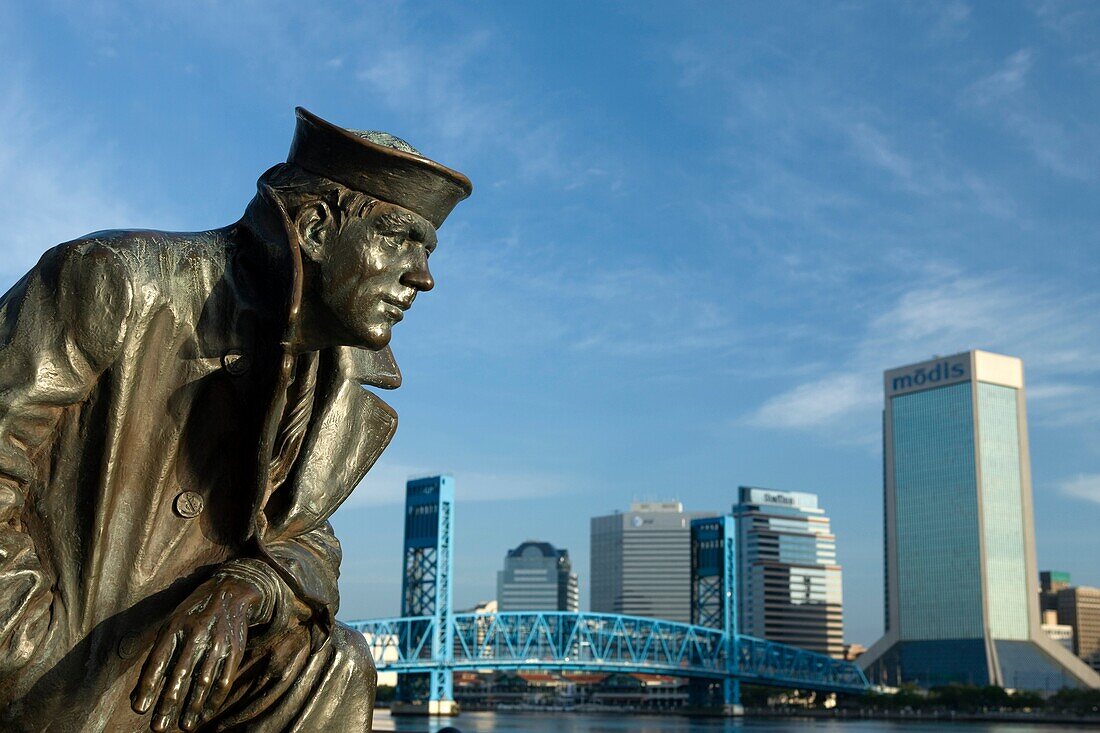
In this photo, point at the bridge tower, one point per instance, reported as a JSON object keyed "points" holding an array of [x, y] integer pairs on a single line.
{"points": [[714, 598], [426, 587]]}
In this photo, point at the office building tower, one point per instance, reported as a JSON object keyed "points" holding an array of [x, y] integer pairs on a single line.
{"points": [[641, 561], [789, 585], [537, 577], [1080, 609], [962, 601], [1050, 582]]}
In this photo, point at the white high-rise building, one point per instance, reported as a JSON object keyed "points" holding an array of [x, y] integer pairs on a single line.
{"points": [[962, 597], [788, 578]]}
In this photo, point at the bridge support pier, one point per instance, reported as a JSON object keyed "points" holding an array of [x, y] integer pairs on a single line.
{"points": [[443, 708], [731, 693], [711, 697], [442, 700]]}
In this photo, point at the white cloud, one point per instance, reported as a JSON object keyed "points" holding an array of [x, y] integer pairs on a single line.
{"points": [[1069, 20], [1066, 150], [1005, 81], [877, 149], [1054, 391], [1083, 486], [1058, 337], [818, 403], [927, 171]]}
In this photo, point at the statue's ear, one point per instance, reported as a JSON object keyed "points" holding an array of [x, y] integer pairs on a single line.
{"points": [[314, 222]]}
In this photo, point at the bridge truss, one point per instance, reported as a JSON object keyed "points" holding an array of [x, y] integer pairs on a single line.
{"points": [[592, 642]]}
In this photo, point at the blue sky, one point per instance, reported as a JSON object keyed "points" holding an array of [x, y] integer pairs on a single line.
{"points": [[699, 234]]}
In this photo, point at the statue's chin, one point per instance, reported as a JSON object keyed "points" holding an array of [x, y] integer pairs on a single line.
{"points": [[374, 337]]}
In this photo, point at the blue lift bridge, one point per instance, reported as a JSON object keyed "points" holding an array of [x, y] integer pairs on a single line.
{"points": [[429, 642]]}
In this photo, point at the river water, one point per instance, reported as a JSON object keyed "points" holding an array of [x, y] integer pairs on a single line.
{"points": [[610, 723]]}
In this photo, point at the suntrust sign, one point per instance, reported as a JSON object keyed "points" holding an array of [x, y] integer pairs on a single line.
{"points": [[935, 373], [800, 499]]}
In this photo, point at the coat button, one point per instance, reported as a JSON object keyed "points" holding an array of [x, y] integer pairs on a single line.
{"points": [[189, 504], [129, 646], [236, 363]]}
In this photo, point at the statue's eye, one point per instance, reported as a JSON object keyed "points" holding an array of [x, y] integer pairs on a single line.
{"points": [[394, 237]]}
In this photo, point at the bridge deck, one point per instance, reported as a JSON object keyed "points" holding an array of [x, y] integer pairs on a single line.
{"points": [[601, 643]]}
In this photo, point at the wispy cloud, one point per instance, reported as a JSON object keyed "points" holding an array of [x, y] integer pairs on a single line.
{"points": [[385, 484], [1057, 336], [817, 404], [594, 307], [872, 145], [1084, 486], [1068, 18], [1067, 150], [460, 99], [929, 173], [1006, 81], [58, 182], [951, 20], [448, 88]]}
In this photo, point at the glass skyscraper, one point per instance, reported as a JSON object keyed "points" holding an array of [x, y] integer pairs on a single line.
{"points": [[961, 579], [788, 579]]}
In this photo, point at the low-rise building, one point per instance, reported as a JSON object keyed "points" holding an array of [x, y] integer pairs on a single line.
{"points": [[1079, 608], [1050, 582]]}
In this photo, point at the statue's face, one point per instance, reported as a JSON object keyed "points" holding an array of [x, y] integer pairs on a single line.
{"points": [[373, 268]]}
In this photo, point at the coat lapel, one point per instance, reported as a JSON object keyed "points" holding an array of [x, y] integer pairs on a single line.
{"points": [[349, 429]]}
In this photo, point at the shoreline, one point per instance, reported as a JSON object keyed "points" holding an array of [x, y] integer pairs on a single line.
{"points": [[786, 713]]}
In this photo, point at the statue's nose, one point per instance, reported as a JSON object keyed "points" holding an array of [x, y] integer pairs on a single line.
{"points": [[419, 278]]}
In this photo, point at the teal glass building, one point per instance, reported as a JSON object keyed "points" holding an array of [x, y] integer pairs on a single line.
{"points": [[961, 583]]}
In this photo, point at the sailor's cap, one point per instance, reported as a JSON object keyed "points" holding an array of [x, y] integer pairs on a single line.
{"points": [[398, 175]]}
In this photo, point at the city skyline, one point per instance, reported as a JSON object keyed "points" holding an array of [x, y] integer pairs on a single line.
{"points": [[694, 242]]}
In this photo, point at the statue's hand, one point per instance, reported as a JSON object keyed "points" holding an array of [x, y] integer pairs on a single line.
{"points": [[196, 655]]}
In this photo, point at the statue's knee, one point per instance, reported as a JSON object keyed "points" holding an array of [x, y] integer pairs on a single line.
{"points": [[354, 657]]}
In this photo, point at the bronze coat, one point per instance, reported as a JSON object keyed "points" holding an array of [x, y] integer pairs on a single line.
{"points": [[136, 366]]}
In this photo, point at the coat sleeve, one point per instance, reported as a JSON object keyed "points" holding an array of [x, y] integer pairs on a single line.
{"points": [[313, 560], [60, 327]]}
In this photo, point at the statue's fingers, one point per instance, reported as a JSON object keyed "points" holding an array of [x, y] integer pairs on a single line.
{"points": [[178, 684], [152, 673], [279, 673], [223, 681], [203, 684]]}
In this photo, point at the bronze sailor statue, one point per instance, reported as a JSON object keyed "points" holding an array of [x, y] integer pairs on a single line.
{"points": [[180, 415]]}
